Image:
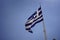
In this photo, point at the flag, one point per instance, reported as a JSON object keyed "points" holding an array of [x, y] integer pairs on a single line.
{"points": [[35, 18]]}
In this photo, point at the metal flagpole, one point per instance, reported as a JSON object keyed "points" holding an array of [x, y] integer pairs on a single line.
{"points": [[44, 30]]}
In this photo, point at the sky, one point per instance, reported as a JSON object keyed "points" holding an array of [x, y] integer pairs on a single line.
{"points": [[14, 14]]}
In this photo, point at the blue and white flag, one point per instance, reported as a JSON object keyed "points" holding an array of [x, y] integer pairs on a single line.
{"points": [[34, 19]]}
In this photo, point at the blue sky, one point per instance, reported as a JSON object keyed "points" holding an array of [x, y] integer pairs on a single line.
{"points": [[14, 14]]}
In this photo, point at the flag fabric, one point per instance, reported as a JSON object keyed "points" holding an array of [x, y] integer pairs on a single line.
{"points": [[35, 18]]}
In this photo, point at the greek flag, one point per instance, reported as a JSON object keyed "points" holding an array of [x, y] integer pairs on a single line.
{"points": [[35, 18]]}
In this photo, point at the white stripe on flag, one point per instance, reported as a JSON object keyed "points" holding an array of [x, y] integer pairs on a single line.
{"points": [[34, 23]]}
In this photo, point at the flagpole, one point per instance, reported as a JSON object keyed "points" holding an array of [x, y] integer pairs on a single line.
{"points": [[44, 30]]}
